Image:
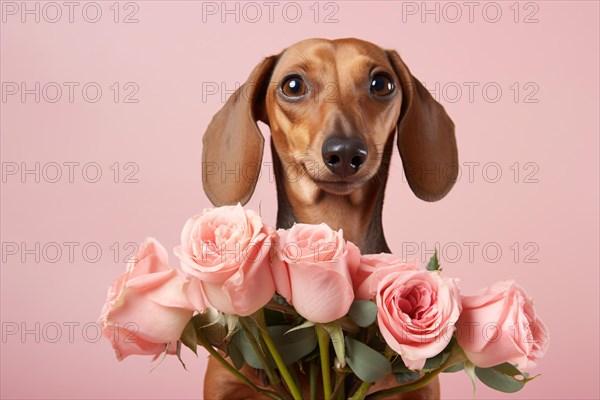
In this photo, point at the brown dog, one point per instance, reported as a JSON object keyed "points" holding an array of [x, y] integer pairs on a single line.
{"points": [[332, 107]]}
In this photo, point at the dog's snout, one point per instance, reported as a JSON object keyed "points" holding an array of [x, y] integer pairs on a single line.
{"points": [[344, 156]]}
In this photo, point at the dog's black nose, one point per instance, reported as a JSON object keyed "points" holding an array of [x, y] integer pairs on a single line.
{"points": [[344, 156]]}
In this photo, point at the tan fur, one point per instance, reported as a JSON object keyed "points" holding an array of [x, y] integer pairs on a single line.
{"points": [[338, 72], [338, 75]]}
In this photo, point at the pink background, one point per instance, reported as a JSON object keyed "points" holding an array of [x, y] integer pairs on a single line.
{"points": [[170, 53]]}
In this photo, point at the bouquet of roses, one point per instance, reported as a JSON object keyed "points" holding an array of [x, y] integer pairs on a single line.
{"points": [[305, 299]]}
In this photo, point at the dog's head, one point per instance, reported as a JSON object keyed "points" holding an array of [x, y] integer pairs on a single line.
{"points": [[332, 107]]}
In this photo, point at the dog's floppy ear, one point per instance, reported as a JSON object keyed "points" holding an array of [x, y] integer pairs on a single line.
{"points": [[425, 138], [232, 147]]}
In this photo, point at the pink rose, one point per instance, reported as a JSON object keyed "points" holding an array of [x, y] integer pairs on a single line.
{"points": [[416, 314], [312, 271], [372, 268], [146, 308], [500, 325], [226, 251]]}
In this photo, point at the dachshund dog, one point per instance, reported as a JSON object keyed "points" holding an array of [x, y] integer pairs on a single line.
{"points": [[332, 107]]}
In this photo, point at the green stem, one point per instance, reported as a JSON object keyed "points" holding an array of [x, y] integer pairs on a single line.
{"points": [[361, 391], [271, 374], [295, 375], [323, 338], [238, 374], [338, 391], [283, 370], [414, 385], [313, 380]]}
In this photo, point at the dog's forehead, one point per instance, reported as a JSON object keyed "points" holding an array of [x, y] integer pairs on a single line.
{"points": [[323, 55]]}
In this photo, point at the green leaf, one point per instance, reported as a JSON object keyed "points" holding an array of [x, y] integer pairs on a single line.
{"points": [[209, 317], [273, 317], [236, 357], [243, 344], [337, 339], [434, 264], [188, 337], [368, 364], [178, 352], [363, 312], [292, 347], [304, 325], [232, 325], [404, 377], [159, 358], [455, 368], [436, 362], [470, 371], [398, 367], [211, 328], [456, 355], [245, 347], [503, 377]]}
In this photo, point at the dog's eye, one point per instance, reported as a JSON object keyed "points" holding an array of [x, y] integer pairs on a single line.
{"points": [[293, 87], [382, 85]]}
